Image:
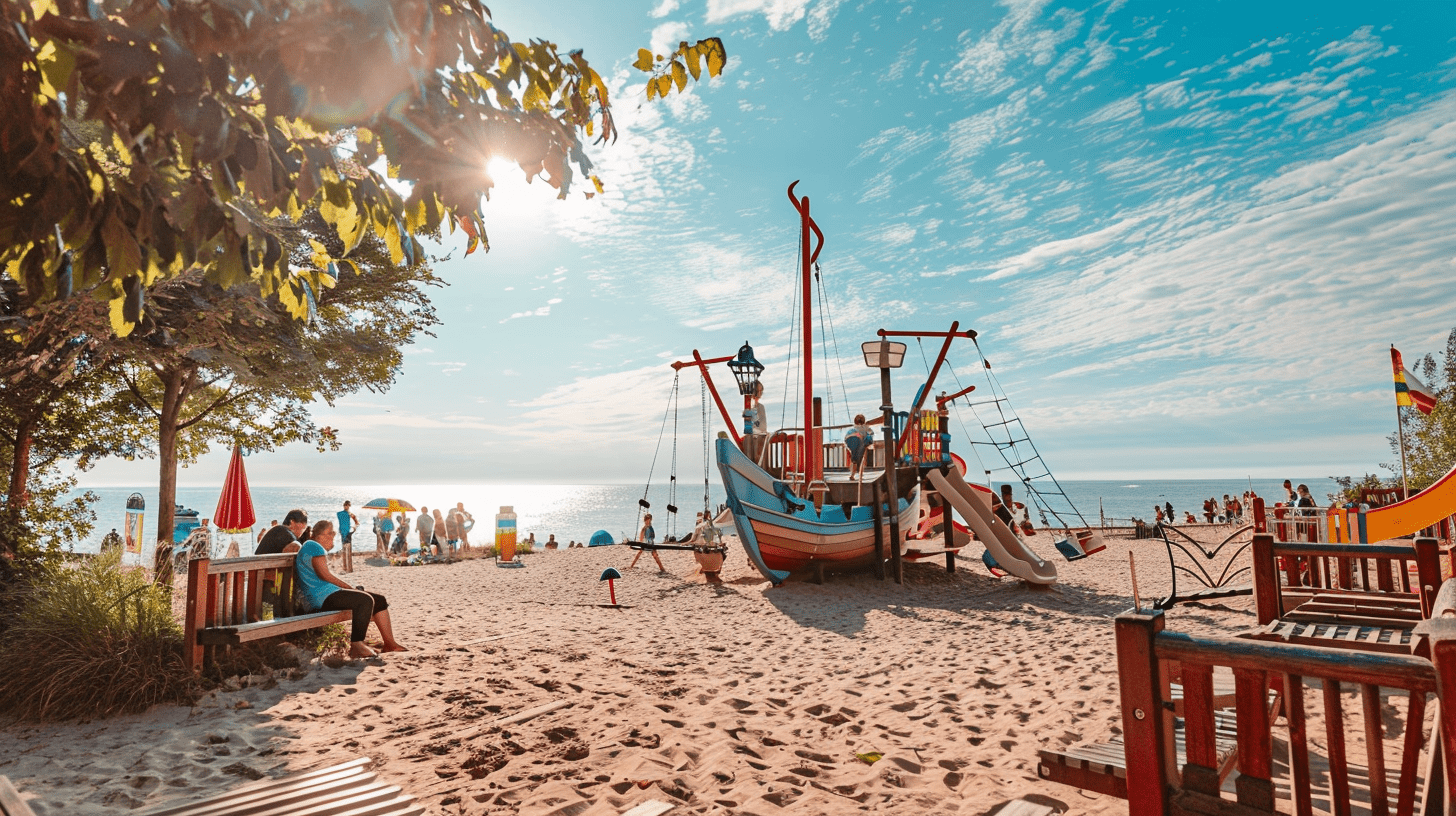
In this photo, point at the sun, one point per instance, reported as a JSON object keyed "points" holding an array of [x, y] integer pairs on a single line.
{"points": [[499, 167]]}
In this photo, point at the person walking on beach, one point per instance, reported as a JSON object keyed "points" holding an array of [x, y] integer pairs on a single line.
{"points": [[384, 525], [425, 526], [321, 590], [1168, 506], [348, 523], [647, 536]]}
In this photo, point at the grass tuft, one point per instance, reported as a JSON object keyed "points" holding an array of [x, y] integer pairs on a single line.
{"points": [[92, 640]]}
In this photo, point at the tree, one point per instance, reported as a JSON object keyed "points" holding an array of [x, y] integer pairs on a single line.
{"points": [[233, 365], [219, 116], [1430, 440], [59, 406]]}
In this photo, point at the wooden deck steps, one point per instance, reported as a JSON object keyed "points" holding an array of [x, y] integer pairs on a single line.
{"points": [[1394, 640], [348, 789], [1102, 766]]}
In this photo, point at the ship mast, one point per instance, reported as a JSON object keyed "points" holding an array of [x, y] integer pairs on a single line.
{"points": [[812, 445]]}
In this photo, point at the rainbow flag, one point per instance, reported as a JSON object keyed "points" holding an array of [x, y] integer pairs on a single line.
{"points": [[1408, 389]]}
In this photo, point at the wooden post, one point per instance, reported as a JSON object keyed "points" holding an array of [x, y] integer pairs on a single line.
{"points": [[196, 611], [897, 563], [1148, 743], [946, 513], [1428, 574], [877, 512], [1254, 787], [1443, 659], [1266, 579]]}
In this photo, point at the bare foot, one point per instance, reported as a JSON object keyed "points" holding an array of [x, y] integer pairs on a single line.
{"points": [[394, 647], [361, 650]]}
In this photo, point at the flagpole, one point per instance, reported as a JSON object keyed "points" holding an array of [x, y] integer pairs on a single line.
{"points": [[1400, 425]]}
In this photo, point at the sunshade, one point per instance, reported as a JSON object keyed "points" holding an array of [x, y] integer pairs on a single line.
{"points": [[600, 538], [235, 506], [390, 505]]}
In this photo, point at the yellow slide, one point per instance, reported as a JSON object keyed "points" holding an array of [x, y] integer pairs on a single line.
{"points": [[1403, 518], [1005, 547]]}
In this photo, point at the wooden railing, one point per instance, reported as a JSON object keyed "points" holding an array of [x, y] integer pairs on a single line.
{"points": [[1149, 658], [1377, 570]]}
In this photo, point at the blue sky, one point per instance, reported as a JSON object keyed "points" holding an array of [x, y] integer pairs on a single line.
{"points": [[1187, 235]]}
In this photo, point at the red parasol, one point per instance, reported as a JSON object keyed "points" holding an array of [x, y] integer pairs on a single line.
{"points": [[235, 506]]}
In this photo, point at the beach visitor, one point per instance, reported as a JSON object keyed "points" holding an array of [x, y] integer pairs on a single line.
{"points": [[111, 541], [760, 414], [647, 536], [295, 524], [383, 531], [1168, 510], [465, 524], [1208, 510], [551, 542], [1159, 511], [1188, 518], [452, 528], [322, 591], [441, 535], [857, 444], [401, 535], [348, 523], [1289, 495], [425, 526], [265, 530]]}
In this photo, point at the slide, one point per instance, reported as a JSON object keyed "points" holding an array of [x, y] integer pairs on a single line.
{"points": [[1010, 554], [1410, 516]]}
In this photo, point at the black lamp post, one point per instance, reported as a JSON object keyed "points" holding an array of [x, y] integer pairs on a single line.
{"points": [[745, 370], [885, 355]]}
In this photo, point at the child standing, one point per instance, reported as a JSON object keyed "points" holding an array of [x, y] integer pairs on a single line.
{"points": [[647, 536]]}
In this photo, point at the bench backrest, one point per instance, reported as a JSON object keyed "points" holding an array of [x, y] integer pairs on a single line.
{"points": [[1155, 785], [229, 592], [1376, 569]]}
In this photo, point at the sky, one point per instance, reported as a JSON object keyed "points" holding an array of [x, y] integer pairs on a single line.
{"points": [[1186, 235]]}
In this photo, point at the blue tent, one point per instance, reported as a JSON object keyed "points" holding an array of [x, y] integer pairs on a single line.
{"points": [[601, 538]]}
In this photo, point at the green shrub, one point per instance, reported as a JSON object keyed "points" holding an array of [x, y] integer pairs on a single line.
{"points": [[92, 640]]}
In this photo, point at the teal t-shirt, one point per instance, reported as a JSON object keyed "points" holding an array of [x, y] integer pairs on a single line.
{"points": [[311, 588]]}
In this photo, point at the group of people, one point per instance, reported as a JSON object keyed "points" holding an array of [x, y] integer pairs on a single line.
{"points": [[438, 534], [319, 590], [1231, 509]]}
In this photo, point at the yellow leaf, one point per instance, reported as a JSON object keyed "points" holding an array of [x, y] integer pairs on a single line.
{"points": [[679, 76], [599, 185], [644, 60], [394, 241], [119, 323], [716, 56], [651, 88], [292, 298], [535, 98], [694, 58]]}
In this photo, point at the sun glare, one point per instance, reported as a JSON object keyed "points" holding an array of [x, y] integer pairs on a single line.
{"points": [[499, 168]]}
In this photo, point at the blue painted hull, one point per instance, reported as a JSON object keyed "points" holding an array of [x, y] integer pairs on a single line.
{"points": [[781, 533]]}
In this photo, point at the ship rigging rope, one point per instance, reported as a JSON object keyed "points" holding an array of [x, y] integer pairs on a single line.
{"points": [[789, 368], [703, 397], [826, 323], [671, 519]]}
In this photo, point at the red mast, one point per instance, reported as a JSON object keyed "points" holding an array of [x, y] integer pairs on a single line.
{"points": [[811, 457]]}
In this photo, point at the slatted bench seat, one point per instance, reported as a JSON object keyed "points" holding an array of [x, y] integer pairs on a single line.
{"points": [[1101, 767], [1343, 596], [225, 601]]}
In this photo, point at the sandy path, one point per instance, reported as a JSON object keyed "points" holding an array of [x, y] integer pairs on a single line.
{"points": [[737, 698]]}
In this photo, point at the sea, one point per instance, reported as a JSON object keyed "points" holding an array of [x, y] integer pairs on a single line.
{"points": [[575, 512]]}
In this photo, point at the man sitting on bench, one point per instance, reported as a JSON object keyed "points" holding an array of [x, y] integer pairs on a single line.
{"points": [[278, 538]]}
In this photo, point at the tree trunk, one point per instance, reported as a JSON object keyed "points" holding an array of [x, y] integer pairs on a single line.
{"points": [[173, 396], [17, 497]]}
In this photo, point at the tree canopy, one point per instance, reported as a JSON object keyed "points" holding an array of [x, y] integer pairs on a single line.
{"points": [[1430, 440], [216, 116]]}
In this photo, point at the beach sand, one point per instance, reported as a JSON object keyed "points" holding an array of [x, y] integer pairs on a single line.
{"points": [[737, 698]]}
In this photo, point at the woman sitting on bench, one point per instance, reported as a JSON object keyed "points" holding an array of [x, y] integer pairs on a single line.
{"points": [[322, 591]]}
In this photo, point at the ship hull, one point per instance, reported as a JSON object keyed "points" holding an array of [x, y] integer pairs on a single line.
{"points": [[781, 533]]}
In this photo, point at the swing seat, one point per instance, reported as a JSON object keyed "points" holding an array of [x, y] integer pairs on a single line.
{"points": [[1073, 549], [990, 562], [1069, 550]]}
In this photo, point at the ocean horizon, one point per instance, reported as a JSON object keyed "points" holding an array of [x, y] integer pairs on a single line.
{"points": [[572, 512]]}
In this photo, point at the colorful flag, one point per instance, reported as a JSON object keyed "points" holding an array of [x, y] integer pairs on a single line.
{"points": [[1408, 389]]}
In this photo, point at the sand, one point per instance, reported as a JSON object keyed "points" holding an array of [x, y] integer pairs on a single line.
{"points": [[737, 698]]}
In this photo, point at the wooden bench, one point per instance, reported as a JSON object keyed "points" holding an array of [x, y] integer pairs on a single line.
{"points": [[10, 802], [225, 604], [347, 789], [1347, 596], [1217, 570], [1159, 782]]}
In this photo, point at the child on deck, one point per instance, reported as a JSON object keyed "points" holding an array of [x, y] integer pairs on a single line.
{"points": [[647, 536]]}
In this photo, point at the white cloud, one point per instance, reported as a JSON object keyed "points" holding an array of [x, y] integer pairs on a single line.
{"points": [[666, 36], [664, 8], [780, 14], [1051, 250], [984, 63]]}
